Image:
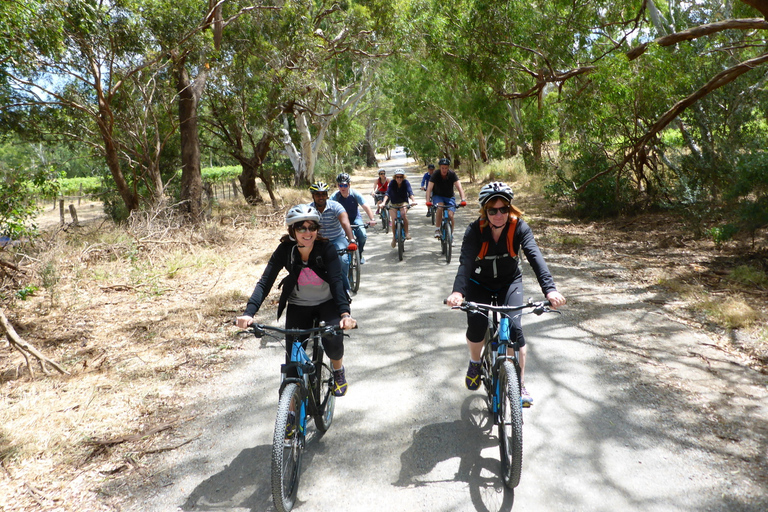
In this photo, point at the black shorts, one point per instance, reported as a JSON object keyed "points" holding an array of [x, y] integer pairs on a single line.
{"points": [[477, 323], [303, 317]]}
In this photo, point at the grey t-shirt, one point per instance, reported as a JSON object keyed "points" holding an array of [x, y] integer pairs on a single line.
{"points": [[310, 290]]}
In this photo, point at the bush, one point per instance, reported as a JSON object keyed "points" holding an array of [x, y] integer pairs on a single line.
{"points": [[601, 198]]}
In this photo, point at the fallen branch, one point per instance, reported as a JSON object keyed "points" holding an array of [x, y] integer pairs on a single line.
{"points": [[131, 438], [26, 349]]}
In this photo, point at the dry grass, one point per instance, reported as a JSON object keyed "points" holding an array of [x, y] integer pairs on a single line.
{"points": [[135, 314]]}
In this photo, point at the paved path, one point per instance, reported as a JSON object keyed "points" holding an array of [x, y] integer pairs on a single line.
{"points": [[603, 434]]}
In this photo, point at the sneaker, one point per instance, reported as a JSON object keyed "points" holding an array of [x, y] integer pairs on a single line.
{"points": [[407, 237], [394, 242], [290, 428], [525, 397], [437, 233], [340, 382], [472, 380], [362, 260], [429, 213]]}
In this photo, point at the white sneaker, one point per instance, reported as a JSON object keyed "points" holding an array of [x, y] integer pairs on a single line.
{"points": [[362, 260]]}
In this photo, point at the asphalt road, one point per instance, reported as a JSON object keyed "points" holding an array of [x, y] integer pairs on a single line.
{"points": [[409, 436]]}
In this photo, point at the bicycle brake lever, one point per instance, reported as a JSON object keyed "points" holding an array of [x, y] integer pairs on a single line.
{"points": [[257, 331]]}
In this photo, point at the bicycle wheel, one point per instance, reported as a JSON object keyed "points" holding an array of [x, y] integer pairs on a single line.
{"points": [[325, 401], [400, 240], [354, 270], [384, 220], [287, 448], [448, 243], [510, 425], [432, 211], [442, 237]]}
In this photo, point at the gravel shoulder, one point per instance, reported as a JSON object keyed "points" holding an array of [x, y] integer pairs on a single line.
{"points": [[636, 408]]}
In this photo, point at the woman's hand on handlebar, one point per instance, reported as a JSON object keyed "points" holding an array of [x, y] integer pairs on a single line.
{"points": [[347, 322], [243, 322], [555, 299], [455, 299]]}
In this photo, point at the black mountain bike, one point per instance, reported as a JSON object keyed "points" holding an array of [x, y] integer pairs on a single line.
{"points": [[306, 391], [501, 379], [446, 233], [398, 229]]}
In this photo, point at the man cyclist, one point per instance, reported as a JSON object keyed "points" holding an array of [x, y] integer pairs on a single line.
{"points": [[440, 192], [334, 225], [350, 200], [427, 176], [399, 193]]}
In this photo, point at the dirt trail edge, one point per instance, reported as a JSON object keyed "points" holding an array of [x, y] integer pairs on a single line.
{"points": [[634, 409]]}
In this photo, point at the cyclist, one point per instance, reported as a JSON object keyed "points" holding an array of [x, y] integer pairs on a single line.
{"points": [[427, 176], [334, 224], [379, 189], [313, 289], [399, 193], [487, 265], [350, 200], [440, 192]]}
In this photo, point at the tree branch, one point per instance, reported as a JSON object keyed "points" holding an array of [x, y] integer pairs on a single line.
{"points": [[25, 348], [700, 31], [719, 80]]}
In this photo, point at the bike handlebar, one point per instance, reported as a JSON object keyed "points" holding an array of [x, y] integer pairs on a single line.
{"points": [[539, 307], [259, 330], [408, 206]]}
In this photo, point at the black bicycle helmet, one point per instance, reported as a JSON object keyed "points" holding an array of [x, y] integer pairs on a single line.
{"points": [[319, 186], [300, 213], [444, 161], [343, 178], [495, 189], [431, 166]]}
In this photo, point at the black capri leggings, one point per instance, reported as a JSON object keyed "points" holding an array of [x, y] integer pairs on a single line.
{"points": [[477, 323], [303, 317]]}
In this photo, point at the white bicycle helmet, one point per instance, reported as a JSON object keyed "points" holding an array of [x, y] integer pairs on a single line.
{"points": [[399, 172], [495, 189], [300, 213]]}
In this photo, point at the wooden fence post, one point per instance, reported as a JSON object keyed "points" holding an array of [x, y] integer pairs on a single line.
{"points": [[73, 213], [61, 210], [234, 189]]}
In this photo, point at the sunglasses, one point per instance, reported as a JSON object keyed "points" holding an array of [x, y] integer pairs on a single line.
{"points": [[304, 229], [399, 177], [493, 211], [343, 185], [382, 174]]}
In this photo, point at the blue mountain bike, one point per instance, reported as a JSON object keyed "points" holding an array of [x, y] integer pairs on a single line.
{"points": [[501, 379], [306, 391]]}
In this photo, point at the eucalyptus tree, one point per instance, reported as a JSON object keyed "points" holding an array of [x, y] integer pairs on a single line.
{"points": [[335, 51]]}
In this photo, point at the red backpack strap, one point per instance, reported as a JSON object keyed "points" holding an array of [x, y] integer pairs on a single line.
{"points": [[483, 248], [511, 237]]}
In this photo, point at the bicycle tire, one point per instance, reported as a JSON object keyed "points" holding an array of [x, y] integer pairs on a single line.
{"points": [[400, 240], [354, 270], [287, 453], [448, 243], [433, 209], [510, 425], [325, 400], [442, 238], [384, 220]]}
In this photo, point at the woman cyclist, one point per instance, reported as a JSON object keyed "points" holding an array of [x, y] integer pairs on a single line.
{"points": [[379, 189], [400, 194], [487, 266], [313, 289]]}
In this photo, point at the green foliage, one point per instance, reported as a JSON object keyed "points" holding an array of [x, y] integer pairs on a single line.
{"points": [[26, 292], [17, 202], [605, 196], [218, 175], [721, 234]]}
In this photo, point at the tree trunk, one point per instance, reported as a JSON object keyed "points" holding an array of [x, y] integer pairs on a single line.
{"points": [[130, 198], [191, 176], [369, 149]]}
